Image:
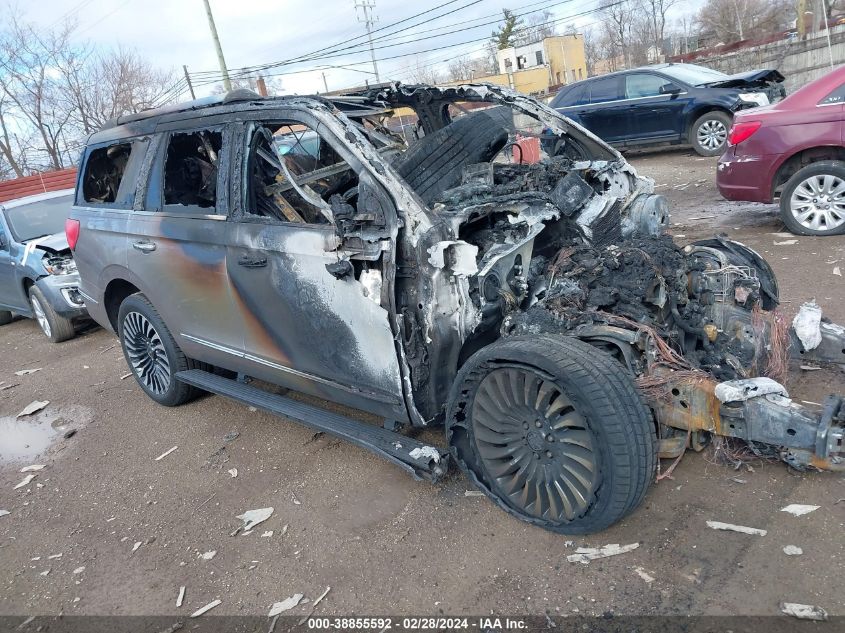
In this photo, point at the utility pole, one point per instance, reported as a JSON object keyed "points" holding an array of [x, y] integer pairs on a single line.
{"points": [[227, 85], [188, 79], [366, 7], [325, 83]]}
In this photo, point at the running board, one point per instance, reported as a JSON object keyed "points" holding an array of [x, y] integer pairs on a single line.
{"points": [[421, 460]]}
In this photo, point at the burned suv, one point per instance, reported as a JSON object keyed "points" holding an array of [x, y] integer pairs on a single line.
{"points": [[448, 272]]}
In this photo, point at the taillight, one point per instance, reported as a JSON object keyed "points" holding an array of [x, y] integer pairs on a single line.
{"points": [[742, 130], [72, 232]]}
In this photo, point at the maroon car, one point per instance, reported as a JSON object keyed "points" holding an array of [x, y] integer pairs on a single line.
{"points": [[794, 150]]}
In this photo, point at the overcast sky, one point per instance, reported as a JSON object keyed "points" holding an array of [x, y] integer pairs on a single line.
{"points": [[170, 33]]}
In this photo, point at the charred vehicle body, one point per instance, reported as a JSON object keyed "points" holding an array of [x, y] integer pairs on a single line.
{"points": [[38, 277], [535, 310]]}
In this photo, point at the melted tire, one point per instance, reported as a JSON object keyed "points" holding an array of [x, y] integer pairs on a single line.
{"points": [[600, 390], [435, 162]]}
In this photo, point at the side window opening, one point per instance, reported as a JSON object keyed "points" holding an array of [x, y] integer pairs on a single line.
{"points": [[104, 172], [837, 96], [190, 169], [295, 175]]}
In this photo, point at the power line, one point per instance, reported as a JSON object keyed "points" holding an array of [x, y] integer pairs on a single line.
{"points": [[315, 54], [438, 48]]}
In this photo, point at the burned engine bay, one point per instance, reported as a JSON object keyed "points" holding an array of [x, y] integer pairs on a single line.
{"points": [[572, 243]]}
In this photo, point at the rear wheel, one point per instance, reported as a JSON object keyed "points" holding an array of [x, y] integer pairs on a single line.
{"points": [[709, 133], [813, 200], [554, 431], [55, 327], [152, 354], [5, 317]]}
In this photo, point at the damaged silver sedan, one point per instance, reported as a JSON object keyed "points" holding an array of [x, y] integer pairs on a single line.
{"points": [[492, 268]]}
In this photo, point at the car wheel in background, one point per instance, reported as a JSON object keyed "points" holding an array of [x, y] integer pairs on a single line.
{"points": [[813, 200], [55, 327], [5, 317], [152, 353], [709, 133], [554, 431]]}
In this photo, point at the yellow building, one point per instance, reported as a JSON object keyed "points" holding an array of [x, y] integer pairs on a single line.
{"points": [[544, 65]]}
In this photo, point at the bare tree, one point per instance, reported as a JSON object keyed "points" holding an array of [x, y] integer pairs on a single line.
{"points": [[461, 68], [540, 26], [102, 87], [617, 25], [9, 151], [656, 11], [733, 20], [33, 84], [420, 73]]}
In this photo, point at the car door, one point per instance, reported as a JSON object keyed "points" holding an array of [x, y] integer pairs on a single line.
{"points": [[178, 235], [605, 114], [655, 107], [10, 296], [311, 299]]}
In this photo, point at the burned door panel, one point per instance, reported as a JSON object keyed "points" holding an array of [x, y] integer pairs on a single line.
{"points": [[309, 288], [181, 236]]}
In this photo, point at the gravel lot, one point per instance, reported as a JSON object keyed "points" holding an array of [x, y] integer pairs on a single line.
{"points": [[382, 542]]}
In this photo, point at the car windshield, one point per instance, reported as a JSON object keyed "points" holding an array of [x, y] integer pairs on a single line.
{"points": [[36, 219], [692, 74]]}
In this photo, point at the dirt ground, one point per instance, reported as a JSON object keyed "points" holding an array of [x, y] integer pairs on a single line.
{"points": [[383, 542]]}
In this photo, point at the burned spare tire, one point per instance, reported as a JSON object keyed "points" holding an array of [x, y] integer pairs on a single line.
{"points": [[554, 431], [435, 162]]}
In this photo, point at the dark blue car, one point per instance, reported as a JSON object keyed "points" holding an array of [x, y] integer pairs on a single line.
{"points": [[667, 103]]}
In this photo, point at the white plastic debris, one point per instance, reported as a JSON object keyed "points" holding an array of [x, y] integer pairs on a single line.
{"points": [[642, 573], [33, 407], [125, 376], [747, 388], [285, 605], [25, 482], [165, 454], [54, 556], [586, 554], [26, 372], [730, 527], [793, 550], [426, 452], [799, 509], [251, 518], [33, 468], [807, 325], [785, 243], [4, 513], [473, 493], [233, 472], [136, 546], [45, 572], [181, 597], [78, 570], [206, 608], [803, 611], [209, 555], [267, 534], [837, 271]]}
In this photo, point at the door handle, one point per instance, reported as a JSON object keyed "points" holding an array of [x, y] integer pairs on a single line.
{"points": [[252, 262], [144, 247]]}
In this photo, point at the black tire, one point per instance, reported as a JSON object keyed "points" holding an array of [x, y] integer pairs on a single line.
{"points": [[829, 214], [716, 122], [585, 399], [140, 328], [5, 317], [435, 162], [55, 327]]}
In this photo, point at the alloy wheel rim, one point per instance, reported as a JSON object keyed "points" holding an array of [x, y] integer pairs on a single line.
{"points": [[712, 134], [40, 316], [146, 353], [534, 444], [818, 202]]}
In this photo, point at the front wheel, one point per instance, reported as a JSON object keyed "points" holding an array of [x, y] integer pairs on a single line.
{"points": [[813, 199], [554, 431], [709, 133], [152, 353], [5, 317], [55, 327]]}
